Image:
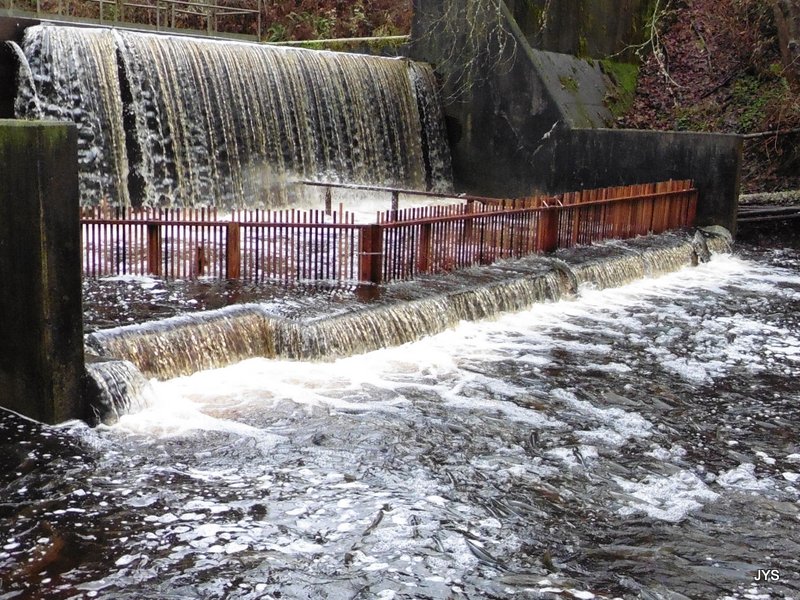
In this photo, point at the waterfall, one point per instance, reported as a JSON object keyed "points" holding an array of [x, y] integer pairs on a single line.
{"points": [[396, 324], [75, 75], [118, 388], [435, 148], [178, 121], [26, 101], [192, 342], [185, 344], [638, 258]]}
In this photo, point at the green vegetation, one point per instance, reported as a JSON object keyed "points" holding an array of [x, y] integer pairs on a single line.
{"points": [[569, 83], [326, 19], [624, 76], [756, 99]]}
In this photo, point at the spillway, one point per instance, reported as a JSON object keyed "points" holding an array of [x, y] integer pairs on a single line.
{"points": [[178, 121], [189, 343]]}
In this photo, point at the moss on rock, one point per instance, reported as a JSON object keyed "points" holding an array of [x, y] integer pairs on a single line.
{"points": [[624, 77]]}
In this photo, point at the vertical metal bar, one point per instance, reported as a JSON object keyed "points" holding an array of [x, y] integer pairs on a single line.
{"points": [[692, 212], [547, 233], [424, 248], [233, 251], [371, 254], [153, 249], [260, 5]]}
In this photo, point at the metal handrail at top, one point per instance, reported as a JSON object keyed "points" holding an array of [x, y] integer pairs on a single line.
{"points": [[549, 201], [168, 9], [391, 190]]}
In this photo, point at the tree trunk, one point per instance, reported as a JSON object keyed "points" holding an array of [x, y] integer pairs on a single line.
{"points": [[787, 19]]}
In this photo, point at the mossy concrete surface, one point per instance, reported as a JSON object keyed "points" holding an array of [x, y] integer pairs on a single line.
{"points": [[41, 339]]}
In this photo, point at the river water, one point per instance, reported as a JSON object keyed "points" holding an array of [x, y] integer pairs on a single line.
{"points": [[637, 442]]}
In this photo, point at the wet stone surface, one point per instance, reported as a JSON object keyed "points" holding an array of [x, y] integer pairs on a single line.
{"points": [[637, 442]]}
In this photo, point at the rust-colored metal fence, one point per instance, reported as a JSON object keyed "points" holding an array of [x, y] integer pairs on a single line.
{"points": [[286, 245], [319, 245], [442, 238]]}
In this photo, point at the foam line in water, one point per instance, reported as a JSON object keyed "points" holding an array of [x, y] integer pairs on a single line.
{"points": [[196, 342]]}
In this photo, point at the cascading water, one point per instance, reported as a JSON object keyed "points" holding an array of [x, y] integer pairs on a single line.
{"points": [[434, 135], [232, 124], [26, 101], [189, 343], [76, 78], [635, 442], [120, 388], [637, 261]]}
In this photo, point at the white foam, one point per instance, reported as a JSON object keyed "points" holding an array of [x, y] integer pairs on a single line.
{"points": [[674, 453], [666, 498], [765, 457], [744, 478], [689, 369], [574, 457], [624, 425]]}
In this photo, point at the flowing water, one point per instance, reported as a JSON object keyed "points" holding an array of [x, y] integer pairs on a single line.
{"points": [[178, 121], [635, 442], [191, 342], [73, 75]]}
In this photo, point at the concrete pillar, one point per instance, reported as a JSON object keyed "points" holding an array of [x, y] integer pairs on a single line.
{"points": [[41, 326]]}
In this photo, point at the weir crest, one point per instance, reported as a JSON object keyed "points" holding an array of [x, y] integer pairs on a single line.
{"points": [[177, 121], [189, 343]]}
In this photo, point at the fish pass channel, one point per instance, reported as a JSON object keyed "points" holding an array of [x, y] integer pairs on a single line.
{"points": [[637, 442]]}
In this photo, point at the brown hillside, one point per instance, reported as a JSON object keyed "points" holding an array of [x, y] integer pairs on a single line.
{"points": [[715, 65]]}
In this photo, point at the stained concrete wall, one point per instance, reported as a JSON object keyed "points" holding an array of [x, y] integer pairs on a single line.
{"points": [[586, 158], [522, 120], [596, 28], [41, 336]]}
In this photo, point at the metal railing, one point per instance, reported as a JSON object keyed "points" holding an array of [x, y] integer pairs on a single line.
{"points": [[324, 245], [160, 14], [282, 245]]}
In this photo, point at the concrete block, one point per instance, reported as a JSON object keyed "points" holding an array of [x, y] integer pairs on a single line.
{"points": [[41, 336]]}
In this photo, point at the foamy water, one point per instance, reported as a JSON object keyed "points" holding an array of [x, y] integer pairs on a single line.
{"points": [[634, 442]]}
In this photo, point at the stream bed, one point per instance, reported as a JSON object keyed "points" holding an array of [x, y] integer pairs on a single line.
{"points": [[637, 442]]}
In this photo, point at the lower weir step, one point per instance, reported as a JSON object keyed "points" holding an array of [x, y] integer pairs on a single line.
{"points": [[189, 343]]}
